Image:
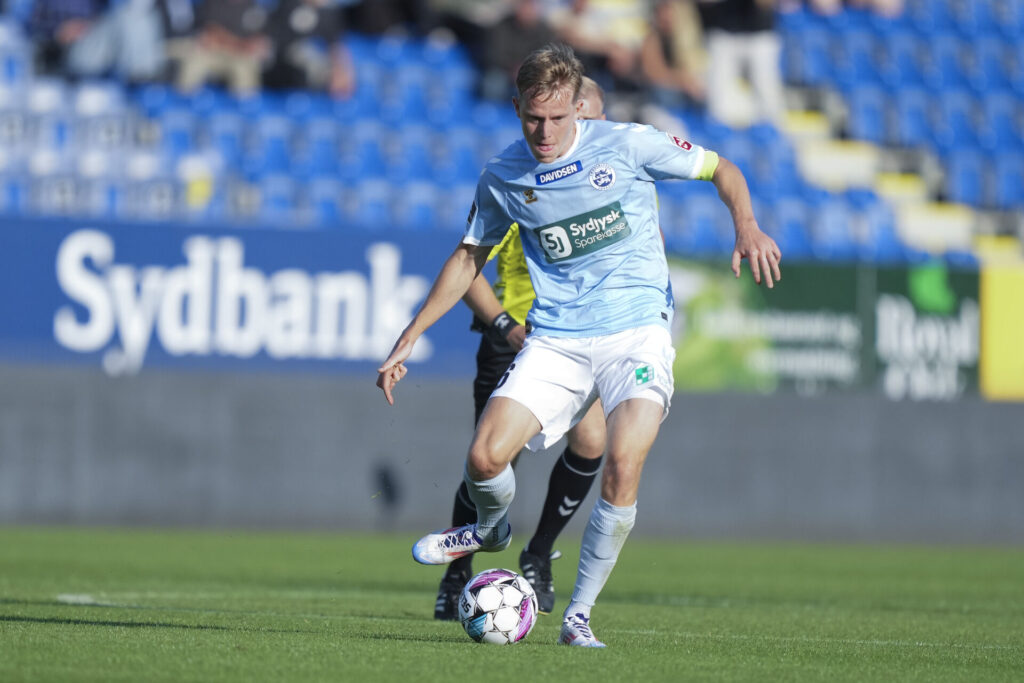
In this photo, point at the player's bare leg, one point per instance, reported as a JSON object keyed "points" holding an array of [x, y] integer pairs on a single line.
{"points": [[632, 428], [504, 428]]}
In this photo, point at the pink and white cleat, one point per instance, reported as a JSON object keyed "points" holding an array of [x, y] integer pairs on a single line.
{"points": [[444, 547]]}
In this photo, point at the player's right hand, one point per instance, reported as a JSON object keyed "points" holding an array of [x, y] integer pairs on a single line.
{"points": [[516, 337], [393, 370]]}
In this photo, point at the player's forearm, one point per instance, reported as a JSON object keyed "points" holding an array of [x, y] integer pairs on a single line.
{"points": [[733, 191], [481, 300], [451, 284]]}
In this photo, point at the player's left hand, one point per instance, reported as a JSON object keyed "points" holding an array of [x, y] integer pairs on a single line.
{"points": [[393, 370], [762, 252]]}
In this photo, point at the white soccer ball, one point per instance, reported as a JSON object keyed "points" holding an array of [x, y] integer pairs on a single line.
{"points": [[498, 606]]}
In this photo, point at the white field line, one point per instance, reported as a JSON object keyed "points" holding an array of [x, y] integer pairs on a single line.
{"points": [[810, 640], [125, 600]]}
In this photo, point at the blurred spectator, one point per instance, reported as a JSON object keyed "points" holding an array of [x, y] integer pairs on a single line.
{"points": [[672, 57], [377, 17], [308, 49], [230, 44], [507, 43], [90, 38], [606, 35], [743, 45]]}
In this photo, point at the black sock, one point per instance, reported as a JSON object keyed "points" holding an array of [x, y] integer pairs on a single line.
{"points": [[570, 481], [463, 512]]}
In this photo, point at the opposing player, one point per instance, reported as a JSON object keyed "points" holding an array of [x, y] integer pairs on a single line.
{"points": [[506, 306], [583, 195]]}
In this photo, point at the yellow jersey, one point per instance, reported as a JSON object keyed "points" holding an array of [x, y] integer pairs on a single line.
{"points": [[512, 285]]}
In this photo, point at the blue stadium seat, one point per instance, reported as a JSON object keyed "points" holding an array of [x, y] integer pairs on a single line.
{"points": [[903, 60], [1003, 128], [178, 127], [975, 18], [868, 114], [912, 125], [224, 134], [930, 16], [956, 121], [372, 208], [787, 224], [1008, 170], [831, 231], [965, 176], [857, 63], [946, 66], [811, 61], [278, 200], [318, 149], [414, 205], [268, 146], [325, 196], [991, 70]]}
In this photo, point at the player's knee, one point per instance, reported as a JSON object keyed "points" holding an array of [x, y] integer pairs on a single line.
{"points": [[586, 445], [620, 481], [483, 463]]}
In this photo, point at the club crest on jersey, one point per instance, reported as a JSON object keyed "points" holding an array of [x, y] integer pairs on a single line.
{"points": [[602, 176], [530, 195], [679, 142], [559, 173]]}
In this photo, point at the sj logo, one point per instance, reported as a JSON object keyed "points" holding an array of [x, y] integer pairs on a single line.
{"points": [[644, 374]]}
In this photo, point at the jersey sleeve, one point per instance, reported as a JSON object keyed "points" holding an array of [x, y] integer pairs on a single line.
{"points": [[488, 220], [662, 155]]}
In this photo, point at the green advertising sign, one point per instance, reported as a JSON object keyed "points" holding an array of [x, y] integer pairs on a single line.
{"points": [[806, 334], [909, 332], [927, 331]]}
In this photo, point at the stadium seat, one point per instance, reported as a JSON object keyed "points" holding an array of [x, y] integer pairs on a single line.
{"points": [[868, 114], [903, 60], [178, 126], [268, 146], [414, 205], [912, 118], [325, 197], [224, 135], [956, 122], [317, 149], [946, 65], [832, 237], [1003, 129], [1008, 170], [991, 68], [965, 177], [857, 63]]}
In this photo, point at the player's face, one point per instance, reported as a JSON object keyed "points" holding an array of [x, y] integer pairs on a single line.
{"points": [[548, 124]]}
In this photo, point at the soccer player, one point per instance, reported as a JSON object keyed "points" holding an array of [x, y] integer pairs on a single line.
{"points": [[574, 472], [583, 195]]}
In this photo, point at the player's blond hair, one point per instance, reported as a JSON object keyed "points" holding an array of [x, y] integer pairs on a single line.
{"points": [[548, 70]]}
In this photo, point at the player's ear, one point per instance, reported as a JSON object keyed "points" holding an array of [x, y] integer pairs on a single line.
{"points": [[515, 103]]}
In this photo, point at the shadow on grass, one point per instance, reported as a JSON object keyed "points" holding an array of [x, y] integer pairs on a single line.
{"points": [[105, 622]]}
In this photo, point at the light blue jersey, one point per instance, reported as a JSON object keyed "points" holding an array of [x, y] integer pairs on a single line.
{"points": [[589, 224]]}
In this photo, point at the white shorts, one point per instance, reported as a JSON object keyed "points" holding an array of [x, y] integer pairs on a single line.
{"points": [[559, 378]]}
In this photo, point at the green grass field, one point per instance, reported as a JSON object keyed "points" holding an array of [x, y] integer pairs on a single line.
{"points": [[142, 605]]}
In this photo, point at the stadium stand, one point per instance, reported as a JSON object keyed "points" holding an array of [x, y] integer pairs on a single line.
{"points": [[892, 119]]}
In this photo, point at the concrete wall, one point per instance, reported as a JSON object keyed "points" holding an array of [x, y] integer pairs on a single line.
{"points": [[327, 452]]}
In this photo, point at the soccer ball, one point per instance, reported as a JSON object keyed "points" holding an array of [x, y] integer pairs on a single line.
{"points": [[498, 606]]}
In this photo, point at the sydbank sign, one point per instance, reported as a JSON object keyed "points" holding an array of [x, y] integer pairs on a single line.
{"points": [[138, 296]]}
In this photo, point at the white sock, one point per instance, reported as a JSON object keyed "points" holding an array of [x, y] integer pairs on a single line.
{"points": [[603, 539], [492, 498]]}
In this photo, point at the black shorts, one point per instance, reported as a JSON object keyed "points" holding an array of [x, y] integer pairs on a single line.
{"points": [[492, 360]]}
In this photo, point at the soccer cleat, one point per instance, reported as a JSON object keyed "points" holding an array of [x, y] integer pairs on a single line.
{"points": [[447, 606], [576, 632], [443, 547], [537, 570]]}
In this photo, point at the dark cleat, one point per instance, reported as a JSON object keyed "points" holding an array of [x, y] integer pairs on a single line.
{"points": [[447, 606], [537, 570]]}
